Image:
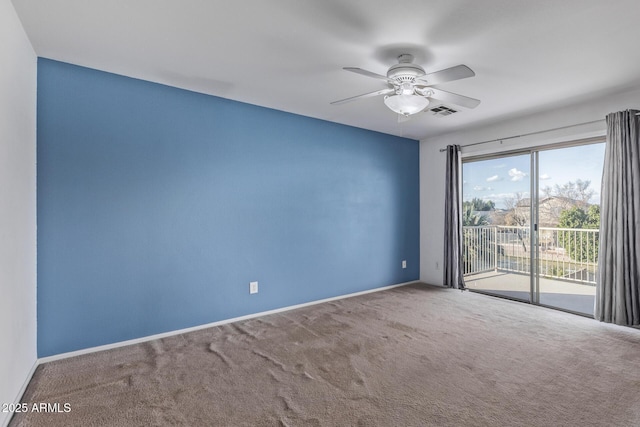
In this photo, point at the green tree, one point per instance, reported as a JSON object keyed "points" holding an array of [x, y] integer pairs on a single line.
{"points": [[471, 219], [581, 246], [477, 204], [593, 216]]}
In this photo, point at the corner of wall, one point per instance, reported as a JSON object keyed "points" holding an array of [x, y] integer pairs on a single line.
{"points": [[431, 213], [18, 80]]}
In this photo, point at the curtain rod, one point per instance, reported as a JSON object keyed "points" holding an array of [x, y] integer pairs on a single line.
{"points": [[528, 134]]}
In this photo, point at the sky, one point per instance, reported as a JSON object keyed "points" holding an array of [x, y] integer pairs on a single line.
{"points": [[500, 179]]}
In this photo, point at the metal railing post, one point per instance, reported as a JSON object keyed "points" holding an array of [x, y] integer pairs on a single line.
{"points": [[495, 246]]}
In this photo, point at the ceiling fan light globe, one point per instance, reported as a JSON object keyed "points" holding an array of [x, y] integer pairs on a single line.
{"points": [[406, 104]]}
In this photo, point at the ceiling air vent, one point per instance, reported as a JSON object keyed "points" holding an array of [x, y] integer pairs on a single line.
{"points": [[442, 111]]}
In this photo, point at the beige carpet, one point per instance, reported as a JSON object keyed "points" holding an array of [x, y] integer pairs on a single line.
{"points": [[410, 356]]}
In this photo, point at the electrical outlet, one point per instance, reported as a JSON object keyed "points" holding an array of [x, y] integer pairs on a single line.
{"points": [[253, 287], [404, 264]]}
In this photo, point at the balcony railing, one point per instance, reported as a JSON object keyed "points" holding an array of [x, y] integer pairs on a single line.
{"points": [[562, 253]]}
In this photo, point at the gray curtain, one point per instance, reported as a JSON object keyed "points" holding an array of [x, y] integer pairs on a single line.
{"points": [[617, 288], [452, 221]]}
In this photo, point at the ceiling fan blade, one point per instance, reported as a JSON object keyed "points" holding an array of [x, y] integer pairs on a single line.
{"points": [[454, 98], [369, 74], [447, 75], [366, 95]]}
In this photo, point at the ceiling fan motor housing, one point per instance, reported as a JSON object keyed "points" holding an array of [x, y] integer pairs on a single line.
{"points": [[405, 70]]}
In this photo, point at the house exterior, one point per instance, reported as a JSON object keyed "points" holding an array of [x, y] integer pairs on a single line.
{"points": [[549, 210]]}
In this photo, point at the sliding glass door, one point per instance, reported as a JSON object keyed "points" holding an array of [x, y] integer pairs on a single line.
{"points": [[569, 219], [496, 225], [530, 224]]}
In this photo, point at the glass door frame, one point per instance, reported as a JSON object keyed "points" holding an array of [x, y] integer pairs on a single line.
{"points": [[534, 248], [534, 182]]}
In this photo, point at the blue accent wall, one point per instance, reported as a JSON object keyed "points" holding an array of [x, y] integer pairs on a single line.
{"points": [[157, 206]]}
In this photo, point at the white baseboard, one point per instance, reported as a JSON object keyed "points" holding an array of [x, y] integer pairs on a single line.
{"points": [[208, 325], [5, 418]]}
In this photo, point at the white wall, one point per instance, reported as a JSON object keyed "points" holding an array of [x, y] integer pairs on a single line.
{"points": [[17, 206], [432, 161]]}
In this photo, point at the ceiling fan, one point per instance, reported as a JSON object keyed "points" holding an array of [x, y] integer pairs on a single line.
{"points": [[410, 87]]}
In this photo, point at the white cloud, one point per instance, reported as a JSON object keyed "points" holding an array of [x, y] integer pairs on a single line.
{"points": [[481, 188], [516, 175], [494, 178], [544, 177]]}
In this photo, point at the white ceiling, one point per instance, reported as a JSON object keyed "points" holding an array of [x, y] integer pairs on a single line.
{"points": [[528, 55]]}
